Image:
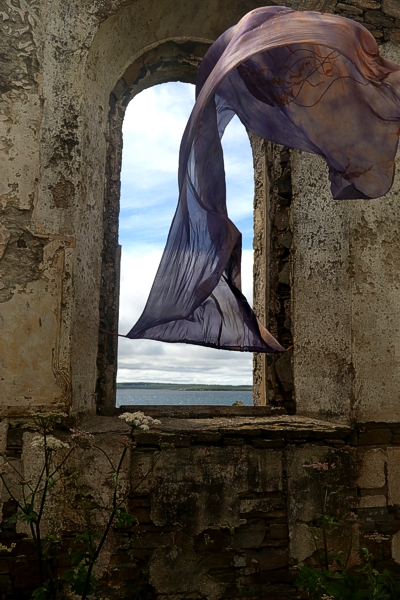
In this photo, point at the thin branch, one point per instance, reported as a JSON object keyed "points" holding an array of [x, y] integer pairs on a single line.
{"points": [[106, 455], [13, 498], [15, 470], [107, 529], [350, 547], [62, 462], [43, 501], [39, 480]]}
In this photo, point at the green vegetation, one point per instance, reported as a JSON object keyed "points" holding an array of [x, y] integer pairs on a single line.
{"points": [[44, 494], [186, 387], [334, 578]]}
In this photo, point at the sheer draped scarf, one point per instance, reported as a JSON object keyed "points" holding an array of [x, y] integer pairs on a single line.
{"points": [[311, 81]]}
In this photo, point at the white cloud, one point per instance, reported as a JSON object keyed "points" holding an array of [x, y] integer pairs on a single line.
{"points": [[148, 360], [238, 163], [153, 127]]}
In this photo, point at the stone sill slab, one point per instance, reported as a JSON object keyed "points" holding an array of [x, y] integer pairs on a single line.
{"points": [[227, 430]]}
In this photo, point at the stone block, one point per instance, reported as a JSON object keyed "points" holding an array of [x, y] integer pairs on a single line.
{"points": [[391, 8], [4, 239], [378, 19], [215, 541], [372, 501], [373, 491], [173, 566], [396, 547], [259, 505], [303, 498], [230, 441], [179, 441], [126, 573], [250, 535], [148, 438], [349, 9], [3, 435], [373, 469], [285, 239], [277, 543], [282, 219], [284, 370], [374, 514], [278, 531], [257, 443], [301, 542], [371, 4], [333, 307], [223, 576], [375, 437], [284, 275], [276, 514], [142, 514], [239, 561], [393, 460], [240, 431], [206, 437], [268, 559], [390, 527]]}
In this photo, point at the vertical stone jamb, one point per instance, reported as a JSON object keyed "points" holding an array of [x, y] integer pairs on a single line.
{"points": [[273, 376], [107, 359], [260, 245], [322, 302]]}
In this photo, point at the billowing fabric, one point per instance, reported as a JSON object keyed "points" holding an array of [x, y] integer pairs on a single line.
{"points": [[312, 81]]}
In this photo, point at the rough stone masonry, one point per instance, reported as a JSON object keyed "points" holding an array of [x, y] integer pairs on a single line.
{"points": [[326, 281]]}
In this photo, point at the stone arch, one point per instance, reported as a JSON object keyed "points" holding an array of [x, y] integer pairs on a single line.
{"points": [[139, 46], [170, 61]]}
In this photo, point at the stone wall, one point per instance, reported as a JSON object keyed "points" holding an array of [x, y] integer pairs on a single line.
{"points": [[346, 306], [65, 80], [61, 65], [325, 279], [228, 509], [226, 512]]}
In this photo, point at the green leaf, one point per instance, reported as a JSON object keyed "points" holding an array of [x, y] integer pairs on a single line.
{"points": [[80, 557], [41, 592], [51, 482], [85, 536], [362, 585], [124, 518], [13, 518], [27, 514], [76, 579]]}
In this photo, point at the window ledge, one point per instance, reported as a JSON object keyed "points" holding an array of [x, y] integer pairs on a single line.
{"points": [[234, 430]]}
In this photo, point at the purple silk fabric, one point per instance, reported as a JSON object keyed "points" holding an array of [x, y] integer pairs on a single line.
{"points": [[312, 81]]}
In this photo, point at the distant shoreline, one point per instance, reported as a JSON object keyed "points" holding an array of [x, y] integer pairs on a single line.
{"points": [[184, 387]]}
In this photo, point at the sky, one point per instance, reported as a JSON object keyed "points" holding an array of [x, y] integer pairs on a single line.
{"points": [[152, 131]]}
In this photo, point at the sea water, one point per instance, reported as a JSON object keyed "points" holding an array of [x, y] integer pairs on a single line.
{"points": [[182, 397]]}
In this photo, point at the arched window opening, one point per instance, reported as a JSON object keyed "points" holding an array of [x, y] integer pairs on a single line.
{"points": [[153, 126]]}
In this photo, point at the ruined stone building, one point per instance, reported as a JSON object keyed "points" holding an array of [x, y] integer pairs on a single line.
{"points": [[326, 280]]}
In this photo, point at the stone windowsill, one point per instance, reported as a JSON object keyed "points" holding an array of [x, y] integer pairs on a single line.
{"points": [[261, 431]]}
